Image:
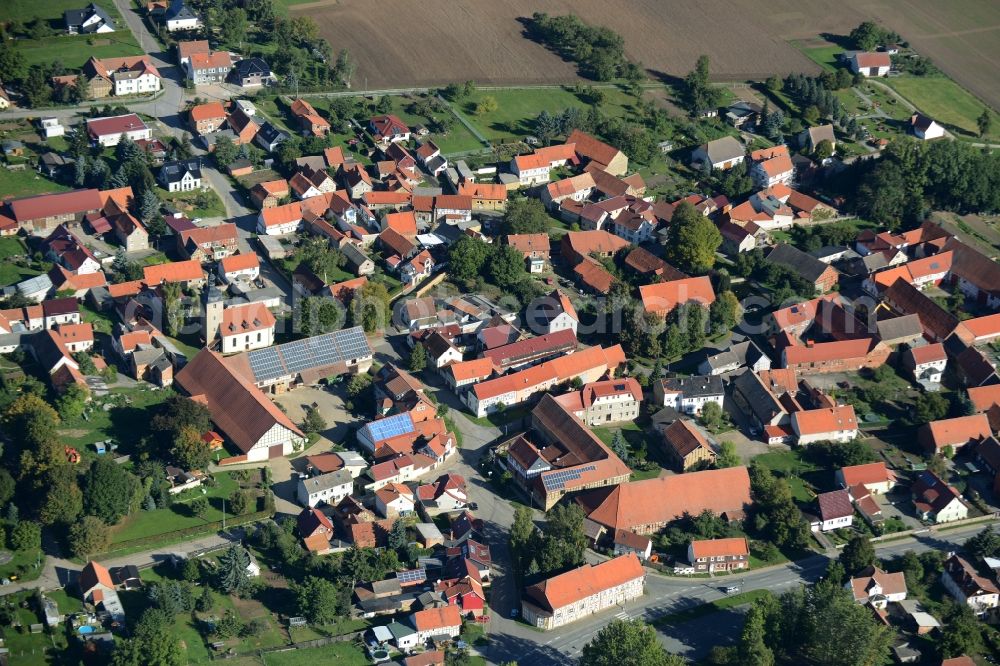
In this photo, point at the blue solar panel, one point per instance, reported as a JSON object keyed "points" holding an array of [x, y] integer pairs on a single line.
{"points": [[316, 352], [398, 424], [411, 576], [557, 480]]}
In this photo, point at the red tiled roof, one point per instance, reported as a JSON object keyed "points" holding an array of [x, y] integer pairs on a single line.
{"points": [[593, 275], [208, 111], [835, 504], [957, 431], [984, 397], [585, 581], [176, 271], [51, 205], [663, 297], [240, 262], [871, 473], [587, 146], [246, 318], [98, 127], [730, 547], [819, 421]]}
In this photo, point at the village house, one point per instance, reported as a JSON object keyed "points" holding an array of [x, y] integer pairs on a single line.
{"points": [[106, 132], [207, 118], [598, 154], [955, 432], [810, 269], [936, 501], [552, 312], [394, 500], [646, 507], [251, 73], [315, 530], [206, 244], [178, 16], [484, 196], [389, 129], [605, 402], [724, 153], [834, 424], [925, 128], [239, 267], [90, 20], [714, 555], [811, 137], [771, 166], [181, 175], [98, 589], [739, 355], [310, 122], [630, 543], [245, 327], [531, 351], [269, 194], [535, 168], [130, 232], [574, 188], [685, 446], [437, 623], [328, 488], [964, 583], [534, 247], [583, 591], [662, 298], [209, 67], [925, 364], [875, 477], [835, 511], [689, 395], [870, 63], [836, 356], [130, 75], [874, 586]]}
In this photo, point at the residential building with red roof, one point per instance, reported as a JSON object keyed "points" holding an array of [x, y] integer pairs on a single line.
{"points": [[833, 424], [573, 188], [129, 75], [874, 586], [984, 397], [647, 506], [269, 193], [965, 583], [535, 168], [42, 213], [925, 364], [974, 274], [209, 67], [578, 246], [245, 327], [484, 196], [980, 330], [588, 364], [771, 166], [869, 63], [315, 530], [532, 246], [466, 373], [388, 129], [835, 356], [187, 273], [207, 118], [662, 298], [206, 244], [280, 220], [310, 122], [605, 402], [530, 351], [835, 511], [875, 477], [919, 272], [936, 501], [712, 555], [437, 622], [685, 446], [583, 591], [593, 278], [955, 432], [597, 153], [109, 131], [239, 267], [552, 312]]}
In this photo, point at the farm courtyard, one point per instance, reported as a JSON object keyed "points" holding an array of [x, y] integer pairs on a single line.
{"points": [[434, 42]]}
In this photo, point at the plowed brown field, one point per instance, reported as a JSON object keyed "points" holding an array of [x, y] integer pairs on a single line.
{"points": [[402, 43]]}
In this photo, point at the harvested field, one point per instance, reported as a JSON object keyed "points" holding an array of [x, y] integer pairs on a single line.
{"points": [[435, 42]]}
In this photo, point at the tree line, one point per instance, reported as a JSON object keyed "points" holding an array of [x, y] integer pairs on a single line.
{"points": [[597, 50]]}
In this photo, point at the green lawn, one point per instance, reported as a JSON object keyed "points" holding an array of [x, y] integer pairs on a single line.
{"points": [[12, 274], [26, 183], [200, 203], [516, 108], [26, 565], [790, 466], [101, 322], [177, 516], [68, 603], [11, 246], [73, 51], [124, 423], [824, 56], [458, 140], [342, 654], [945, 101]]}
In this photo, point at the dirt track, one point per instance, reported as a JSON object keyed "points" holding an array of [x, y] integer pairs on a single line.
{"points": [[404, 43]]}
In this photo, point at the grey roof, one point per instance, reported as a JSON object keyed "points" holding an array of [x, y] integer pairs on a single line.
{"points": [[319, 351], [252, 67], [270, 134], [173, 172], [899, 328], [741, 353], [354, 255], [179, 11], [761, 401], [724, 149], [317, 484], [35, 284], [76, 17], [820, 133], [791, 257], [694, 386]]}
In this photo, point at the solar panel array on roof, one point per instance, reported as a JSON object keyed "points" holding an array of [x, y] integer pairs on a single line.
{"points": [[411, 576], [315, 352], [391, 426], [557, 480]]}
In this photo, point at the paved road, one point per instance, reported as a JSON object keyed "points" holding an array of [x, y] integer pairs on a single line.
{"points": [[515, 641]]}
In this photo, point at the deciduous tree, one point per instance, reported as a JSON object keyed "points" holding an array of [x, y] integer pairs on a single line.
{"points": [[627, 643], [693, 239]]}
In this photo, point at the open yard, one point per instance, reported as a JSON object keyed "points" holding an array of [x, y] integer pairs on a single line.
{"points": [[946, 102], [434, 42], [73, 51], [179, 515], [26, 183], [197, 203], [516, 108], [125, 422]]}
